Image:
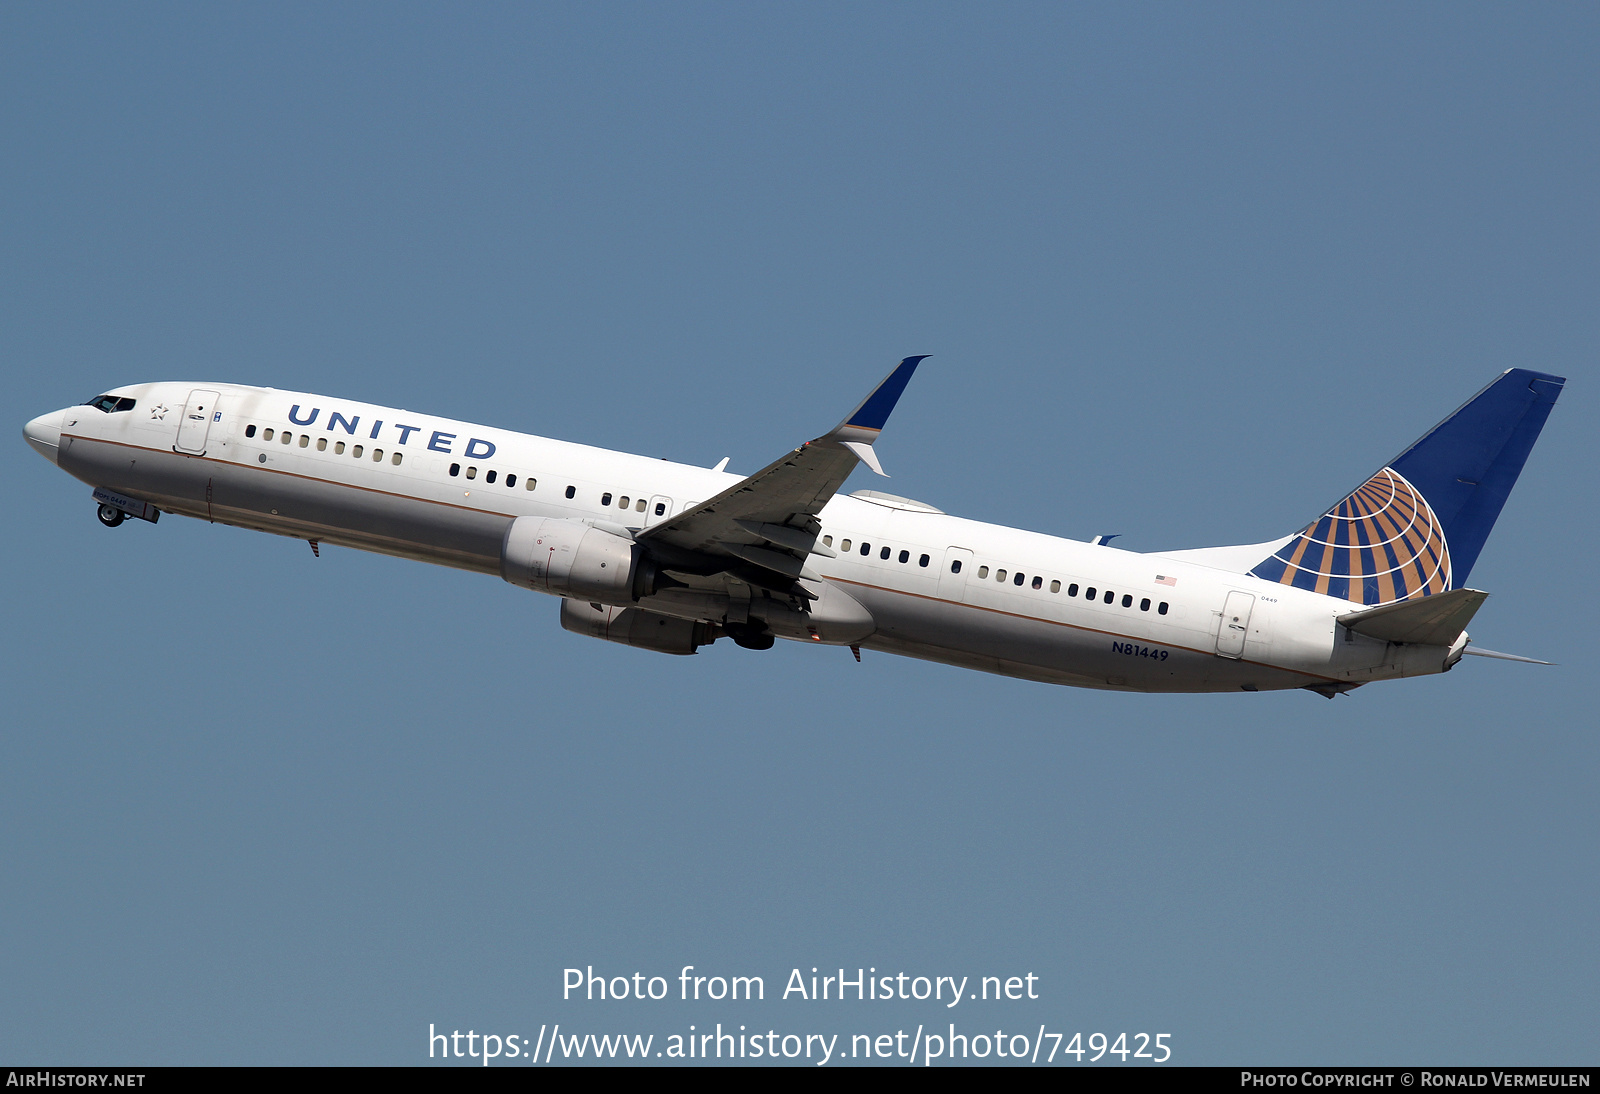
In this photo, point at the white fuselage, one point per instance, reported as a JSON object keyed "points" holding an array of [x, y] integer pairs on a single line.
{"points": [[436, 490]]}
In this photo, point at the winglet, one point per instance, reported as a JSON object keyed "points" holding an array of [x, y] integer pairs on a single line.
{"points": [[874, 409], [865, 422]]}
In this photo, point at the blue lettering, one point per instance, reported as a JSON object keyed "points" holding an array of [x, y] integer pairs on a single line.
{"points": [[488, 449], [433, 442], [406, 431], [339, 419], [377, 425], [294, 412]]}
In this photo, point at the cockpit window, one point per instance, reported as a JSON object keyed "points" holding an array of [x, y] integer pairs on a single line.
{"points": [[110, 404]]}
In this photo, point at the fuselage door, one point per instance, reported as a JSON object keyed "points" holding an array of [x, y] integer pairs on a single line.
{"points": [[660, 509], [953, 577], [198, 414], [1235, 624]]}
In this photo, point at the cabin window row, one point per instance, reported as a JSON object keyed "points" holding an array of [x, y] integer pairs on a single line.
{"points": [[625, 501], [884, 553], [1090, 592], [356, 451], [491, 476]]}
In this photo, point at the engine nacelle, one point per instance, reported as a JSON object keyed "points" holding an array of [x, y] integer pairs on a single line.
{"points": [[573, 559], [636, 627]]}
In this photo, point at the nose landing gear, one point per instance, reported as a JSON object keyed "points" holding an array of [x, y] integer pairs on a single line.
{"points": [[110, 515]]}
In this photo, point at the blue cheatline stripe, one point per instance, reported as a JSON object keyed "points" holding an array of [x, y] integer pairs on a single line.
{"points": [[873, 413]]}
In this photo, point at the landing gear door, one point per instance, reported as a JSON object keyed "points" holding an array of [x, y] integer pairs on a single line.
{"points": [[1235, 624], [195, 424], [953, 577]]}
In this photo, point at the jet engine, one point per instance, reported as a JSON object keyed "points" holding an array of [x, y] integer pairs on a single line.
{"points": [[573, 559], [636, 627]]}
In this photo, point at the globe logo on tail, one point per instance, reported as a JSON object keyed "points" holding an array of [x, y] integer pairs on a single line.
{"points": [[1381, 544]]}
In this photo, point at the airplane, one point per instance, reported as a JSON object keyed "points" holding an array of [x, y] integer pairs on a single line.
{"points": [[671, 557]]}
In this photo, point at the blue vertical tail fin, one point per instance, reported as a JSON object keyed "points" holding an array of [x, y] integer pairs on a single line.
{"points": [[1418, 525]]}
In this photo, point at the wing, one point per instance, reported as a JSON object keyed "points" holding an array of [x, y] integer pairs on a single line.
{"points": [[763, 528]]}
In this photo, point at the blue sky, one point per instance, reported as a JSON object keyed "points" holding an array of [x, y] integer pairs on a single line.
{"points": [[1187, 274]]}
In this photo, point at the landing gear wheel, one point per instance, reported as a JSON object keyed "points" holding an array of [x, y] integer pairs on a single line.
{"points": [[110, 515]]}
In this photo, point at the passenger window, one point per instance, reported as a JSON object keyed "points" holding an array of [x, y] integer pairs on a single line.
{"points": [[999, 575], [1144, 605], [844, 545], [355, 453], [530, 484], [955, 567], [638, 506], [1127, 601], [266, 434], [1038, 583], [285, 438], [1161, 609], [983, 572], [661, 508], [622, 502], [489, 477], [511, 480], [1019, 579], [1110, 596], [905, 556], [572, 492], [322, 444], [377, 455], [1072, 590], [884, 554], [472, 472], [1088, 594], [605, 499], [1055, 586], [866, 548], [455, 468], [249, 431], [305, 439], [827, 541], [396, 460], [923, 562], [338, 450]]}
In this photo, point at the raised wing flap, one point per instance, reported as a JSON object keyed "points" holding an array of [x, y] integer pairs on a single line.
{"points": [[1436, 620], [779, 562], [794, 539]]}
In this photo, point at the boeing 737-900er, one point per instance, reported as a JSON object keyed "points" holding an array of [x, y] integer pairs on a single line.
{"points": [[669, 557]]}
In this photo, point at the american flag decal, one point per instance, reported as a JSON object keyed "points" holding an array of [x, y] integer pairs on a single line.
{"points": [[1162, 579]]}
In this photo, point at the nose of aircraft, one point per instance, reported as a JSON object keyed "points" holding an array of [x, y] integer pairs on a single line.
{"points": [[44, 434]]}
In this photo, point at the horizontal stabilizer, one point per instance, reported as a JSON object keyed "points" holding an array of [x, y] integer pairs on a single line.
{"points": [[1479, 651], [1437, 620]]}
